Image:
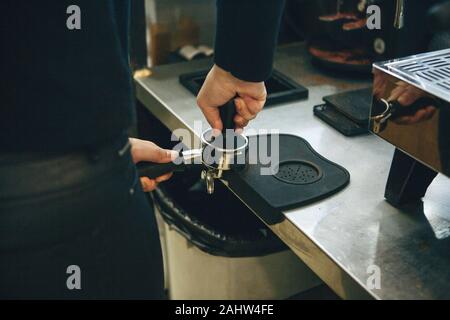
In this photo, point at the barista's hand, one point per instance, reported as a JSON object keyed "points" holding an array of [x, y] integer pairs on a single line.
{"points": [[220, 87], [142, 150], [406, 95]]}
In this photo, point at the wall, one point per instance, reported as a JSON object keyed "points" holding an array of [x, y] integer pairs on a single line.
{"points": [[173, 23]]}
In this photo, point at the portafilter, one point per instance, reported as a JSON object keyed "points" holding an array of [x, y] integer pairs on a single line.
{"points": [[218, 153]]}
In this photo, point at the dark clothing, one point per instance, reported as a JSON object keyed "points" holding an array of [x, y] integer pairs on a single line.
{"points": [[63, 89], [246, 37], [65, 92], [85, 209]]}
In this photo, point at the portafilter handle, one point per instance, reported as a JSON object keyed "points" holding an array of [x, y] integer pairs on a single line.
{"points": [[227, 114], [154, 170]]}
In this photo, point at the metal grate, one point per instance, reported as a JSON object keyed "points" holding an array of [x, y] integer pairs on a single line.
{"points": [[298, 172], [431, 70]]}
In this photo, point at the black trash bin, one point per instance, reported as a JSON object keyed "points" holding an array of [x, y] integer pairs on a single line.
{"points": [[216, 248], [218, 224]]}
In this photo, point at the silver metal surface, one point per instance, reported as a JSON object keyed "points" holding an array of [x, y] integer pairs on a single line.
{"points": [[429, 72], [399, 20], [410, 116], [192, 156], [209, 175], [346, 237], [218, 157]]}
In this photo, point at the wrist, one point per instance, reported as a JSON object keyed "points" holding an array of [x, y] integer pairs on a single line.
{"points": [[225, 78], [228, 78]]}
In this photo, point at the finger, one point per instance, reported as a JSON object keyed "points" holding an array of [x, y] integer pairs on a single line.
{"points": [[243, 110], [254, 105], [401, 83], [148, 184], [240, 121], [405, 120], [216, 133], [211, 113], [420, 115], [397, 92], [165, 177], [159, 155], [431, 110], [408, 97], [428, 114]]}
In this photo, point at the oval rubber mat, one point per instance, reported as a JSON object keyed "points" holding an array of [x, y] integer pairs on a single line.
{"points": [[303, 175]]}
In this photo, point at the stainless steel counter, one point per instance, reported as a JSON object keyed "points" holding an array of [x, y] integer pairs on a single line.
{"points": [[345, 238]]}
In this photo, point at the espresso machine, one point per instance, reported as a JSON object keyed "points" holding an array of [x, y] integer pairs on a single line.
{"points": [[411, 110]]}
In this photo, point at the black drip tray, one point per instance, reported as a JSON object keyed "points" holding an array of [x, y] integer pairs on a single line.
{"points": [[303, 175], [280, 89]]}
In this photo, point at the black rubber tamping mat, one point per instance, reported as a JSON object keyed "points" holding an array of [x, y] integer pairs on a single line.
{"points": [[354, 104], [303, 176], [337, 120]]}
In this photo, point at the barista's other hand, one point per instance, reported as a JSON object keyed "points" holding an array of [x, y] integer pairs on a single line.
{"points": [[220, 87], [406, 95], [142, 150]]}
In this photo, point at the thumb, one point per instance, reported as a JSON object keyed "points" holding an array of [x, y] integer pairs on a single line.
{"points": [[212, 115]]}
